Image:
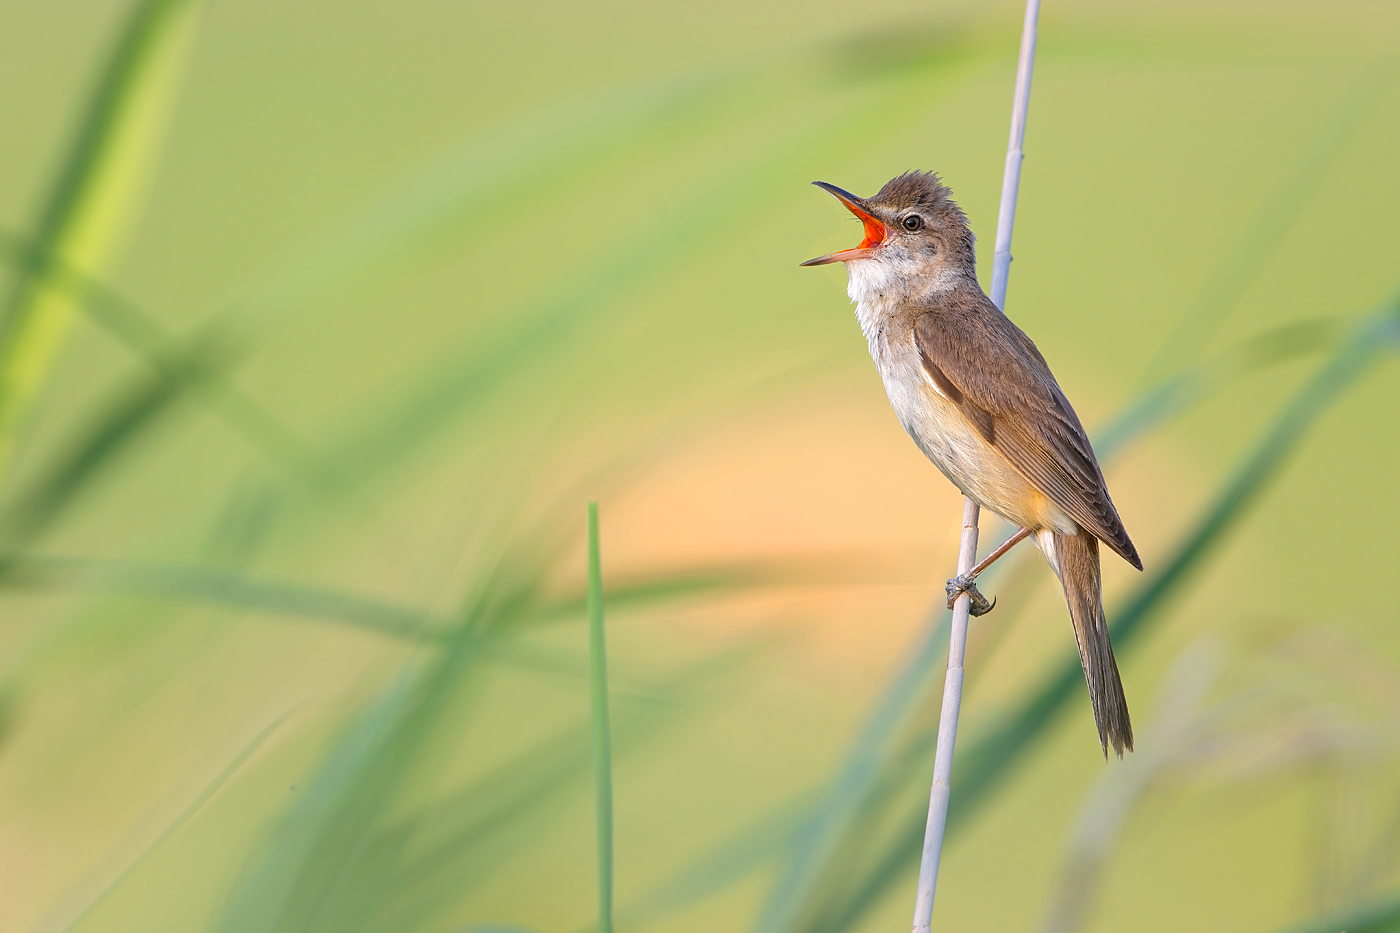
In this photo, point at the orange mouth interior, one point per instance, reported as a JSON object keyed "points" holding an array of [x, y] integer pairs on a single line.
{"points": [[874, 230]]}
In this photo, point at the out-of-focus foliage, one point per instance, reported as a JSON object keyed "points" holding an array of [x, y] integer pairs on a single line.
{"points": [[322, 324]]}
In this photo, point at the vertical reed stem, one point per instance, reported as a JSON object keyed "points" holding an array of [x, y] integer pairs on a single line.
{"points": [[967, 549], [602, 738]]}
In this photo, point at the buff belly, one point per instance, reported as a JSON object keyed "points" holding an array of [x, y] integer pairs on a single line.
{"points": [[963, 455]]}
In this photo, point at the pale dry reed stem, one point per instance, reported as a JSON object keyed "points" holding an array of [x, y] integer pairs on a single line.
{"points": [[967, 550]]}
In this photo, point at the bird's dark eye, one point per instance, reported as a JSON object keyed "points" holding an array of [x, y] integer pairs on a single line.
{"points": [[913, 223]]}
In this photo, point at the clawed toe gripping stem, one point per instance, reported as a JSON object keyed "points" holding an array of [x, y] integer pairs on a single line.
{"points": [[967, 583]]}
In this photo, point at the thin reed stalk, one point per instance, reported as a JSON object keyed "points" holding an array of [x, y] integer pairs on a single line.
{"points": [[967, 549], [602, 738], [947, 729], [179, 823]]}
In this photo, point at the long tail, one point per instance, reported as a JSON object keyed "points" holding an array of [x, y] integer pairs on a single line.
{"points": [[1076, 560]]}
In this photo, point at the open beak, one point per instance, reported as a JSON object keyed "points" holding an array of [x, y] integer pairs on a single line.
{"points": [[874, 230]]}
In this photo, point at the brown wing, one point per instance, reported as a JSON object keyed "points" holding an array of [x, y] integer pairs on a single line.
{"points": [[986, 366]]}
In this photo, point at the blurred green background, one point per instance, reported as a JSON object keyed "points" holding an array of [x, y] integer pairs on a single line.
{"points": [[322, 322]]}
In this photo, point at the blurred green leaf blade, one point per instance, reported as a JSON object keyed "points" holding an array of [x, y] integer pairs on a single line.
{"points": [[95, 195]]}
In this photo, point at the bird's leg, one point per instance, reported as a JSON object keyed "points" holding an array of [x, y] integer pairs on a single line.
{"points": [[967, 582], [1000, 552]]}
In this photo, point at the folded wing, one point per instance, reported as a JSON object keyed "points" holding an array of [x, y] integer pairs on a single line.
{"points": [[986, 366]]}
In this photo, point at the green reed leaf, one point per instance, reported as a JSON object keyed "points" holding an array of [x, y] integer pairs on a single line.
{"points": [[1381, 917], [602, 741], [221, 587], [313, 871], [95, 195], [198, 362]]}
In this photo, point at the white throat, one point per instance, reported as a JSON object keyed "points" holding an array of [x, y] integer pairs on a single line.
{"points": [[877, 289], [880, 287]]}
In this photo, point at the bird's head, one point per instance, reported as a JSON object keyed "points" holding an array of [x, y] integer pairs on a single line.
{"points": [[913, 229]]}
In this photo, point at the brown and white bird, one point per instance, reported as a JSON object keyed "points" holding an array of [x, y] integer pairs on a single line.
{"points": [[977, 397]]}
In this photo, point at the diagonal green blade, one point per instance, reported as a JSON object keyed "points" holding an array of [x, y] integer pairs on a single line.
{"points": [[95, 195], [180, 821], [1382, 917]]}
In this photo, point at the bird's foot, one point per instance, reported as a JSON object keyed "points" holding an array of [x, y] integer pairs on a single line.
{"points": [[963, 583]]}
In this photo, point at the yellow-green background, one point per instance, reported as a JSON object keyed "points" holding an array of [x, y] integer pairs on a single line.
{"points": [[485, 261]]}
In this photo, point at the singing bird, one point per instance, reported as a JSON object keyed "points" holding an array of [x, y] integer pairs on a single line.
{"points": [[977, 397]]}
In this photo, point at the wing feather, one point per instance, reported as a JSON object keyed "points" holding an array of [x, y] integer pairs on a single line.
{"points": [[986, 366]]}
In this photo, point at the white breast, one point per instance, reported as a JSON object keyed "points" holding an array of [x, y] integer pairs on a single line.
{"points": [[877, 290], [949, 441]]}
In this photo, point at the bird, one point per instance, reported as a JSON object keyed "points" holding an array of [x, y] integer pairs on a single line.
{"points": [[980, 401]]}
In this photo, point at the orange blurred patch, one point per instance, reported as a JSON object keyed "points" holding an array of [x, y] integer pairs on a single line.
{"points": [[826, 487]]}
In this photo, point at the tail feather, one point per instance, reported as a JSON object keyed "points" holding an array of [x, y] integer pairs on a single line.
{"points": [[1076, 558]]}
